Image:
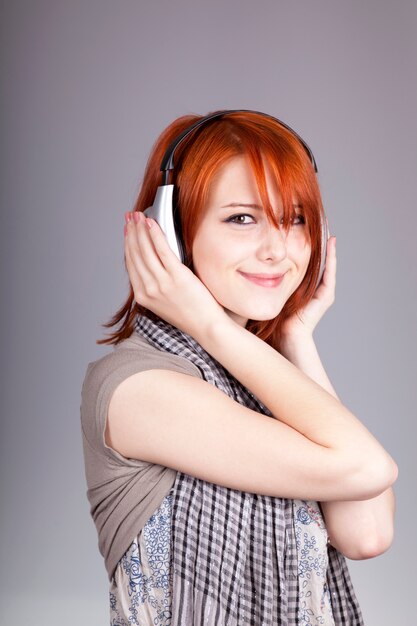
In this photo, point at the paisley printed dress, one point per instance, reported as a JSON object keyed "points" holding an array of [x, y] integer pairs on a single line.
{"points": [[140, 587], [140, 590]]}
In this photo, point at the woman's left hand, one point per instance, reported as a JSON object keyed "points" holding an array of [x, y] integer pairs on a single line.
{"points": [[304, 321]]}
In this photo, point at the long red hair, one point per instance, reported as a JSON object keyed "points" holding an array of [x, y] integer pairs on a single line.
{"points": [[197, 159]]}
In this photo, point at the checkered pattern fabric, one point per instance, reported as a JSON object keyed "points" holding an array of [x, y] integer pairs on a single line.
{"points": [[234, 554]]}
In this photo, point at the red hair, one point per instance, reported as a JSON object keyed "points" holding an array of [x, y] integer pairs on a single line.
{"points": [[197, 160]]}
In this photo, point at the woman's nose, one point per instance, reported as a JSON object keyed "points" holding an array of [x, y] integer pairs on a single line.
{"points": [[273, 243]]}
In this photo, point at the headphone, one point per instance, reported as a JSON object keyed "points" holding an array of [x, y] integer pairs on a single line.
{"points": [[167, 216]]}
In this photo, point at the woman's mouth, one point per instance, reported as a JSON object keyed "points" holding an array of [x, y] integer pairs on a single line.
{"points": [[264, 280]]}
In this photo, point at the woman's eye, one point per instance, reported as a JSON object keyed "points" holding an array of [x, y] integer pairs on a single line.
{"points": [[297, 219], [238, 219]]}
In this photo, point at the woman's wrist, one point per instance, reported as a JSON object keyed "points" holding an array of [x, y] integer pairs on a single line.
{"points": [[214, 334], [292, 346], [302, 352]]}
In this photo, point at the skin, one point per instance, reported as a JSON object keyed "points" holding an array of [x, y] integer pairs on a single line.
{"points": [[222, 249]]}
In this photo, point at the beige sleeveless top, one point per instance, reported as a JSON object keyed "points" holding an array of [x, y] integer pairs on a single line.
{"points": [[123, 493]]}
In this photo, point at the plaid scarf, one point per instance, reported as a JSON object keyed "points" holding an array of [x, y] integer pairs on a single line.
{"points": [[236, 557]]}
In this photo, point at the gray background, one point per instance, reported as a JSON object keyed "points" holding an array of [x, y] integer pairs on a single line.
{"points": [[87, 87]]}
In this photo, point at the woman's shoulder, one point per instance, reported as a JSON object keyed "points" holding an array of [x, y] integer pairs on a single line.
{"points": [[102, 377], [132, 355]]}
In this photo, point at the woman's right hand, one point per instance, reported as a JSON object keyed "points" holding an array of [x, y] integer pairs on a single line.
{"points": [[163, 284]]}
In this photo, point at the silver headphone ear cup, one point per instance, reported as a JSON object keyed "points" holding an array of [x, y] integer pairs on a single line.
{"points": [[161, 211], [178, 233]]}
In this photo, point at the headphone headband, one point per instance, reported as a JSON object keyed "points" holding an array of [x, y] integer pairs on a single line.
{"points": [[168, 159]]}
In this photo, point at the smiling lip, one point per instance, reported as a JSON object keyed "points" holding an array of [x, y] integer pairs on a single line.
{"points": [[264, 280]]}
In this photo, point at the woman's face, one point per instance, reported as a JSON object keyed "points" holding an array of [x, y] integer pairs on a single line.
{"points": [[237, 253]]}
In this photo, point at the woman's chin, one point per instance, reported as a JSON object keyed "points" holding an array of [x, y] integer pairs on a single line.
{"points": [[242, 316]]}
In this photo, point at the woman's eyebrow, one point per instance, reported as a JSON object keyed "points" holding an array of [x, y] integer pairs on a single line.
{"points": [[244, 204], [253, 206]]}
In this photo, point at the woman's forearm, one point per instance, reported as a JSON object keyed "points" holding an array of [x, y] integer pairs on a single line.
{"points": [[297, 400], [359, 529], [303, 354]]}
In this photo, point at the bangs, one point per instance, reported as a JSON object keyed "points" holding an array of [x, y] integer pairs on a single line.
{"points": [[290, 175]]}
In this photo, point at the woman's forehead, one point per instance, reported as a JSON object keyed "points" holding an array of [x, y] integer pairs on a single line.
{"points": [[237, 175]]}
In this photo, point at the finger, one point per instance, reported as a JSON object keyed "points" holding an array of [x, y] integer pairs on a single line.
{"points": [[332, 250], [138, 263], [331, 263], [167, 256], [134, 276], [149, 253], [131, 250]]}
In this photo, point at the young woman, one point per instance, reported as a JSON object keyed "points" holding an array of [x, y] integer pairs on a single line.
{"points": [[226, 479]]}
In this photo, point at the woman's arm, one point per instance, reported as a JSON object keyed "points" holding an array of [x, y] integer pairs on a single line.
{"points": [[301, 403], [358, 529]]}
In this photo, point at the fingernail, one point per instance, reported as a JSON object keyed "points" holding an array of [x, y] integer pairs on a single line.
{"points": [[135, 217], [127, 217], [148, 222]]}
